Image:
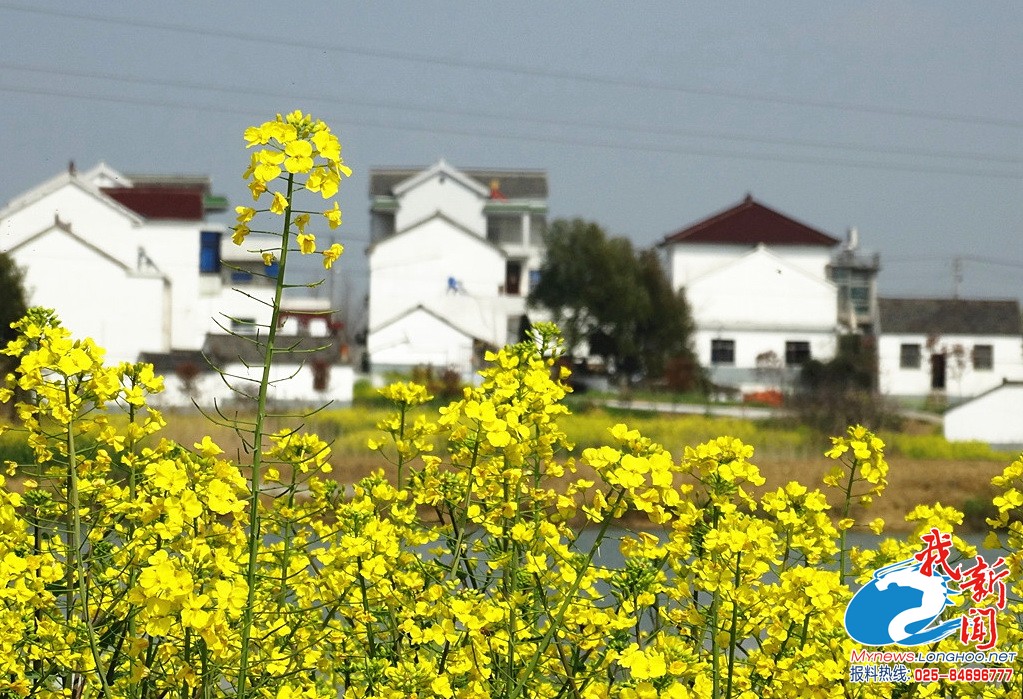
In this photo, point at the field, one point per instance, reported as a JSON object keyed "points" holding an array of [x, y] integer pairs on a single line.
{"points": [[924, 467]]}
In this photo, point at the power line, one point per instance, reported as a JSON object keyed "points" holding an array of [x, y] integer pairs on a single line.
{"points": [[560, 140], [406, 107], [526, 71]]}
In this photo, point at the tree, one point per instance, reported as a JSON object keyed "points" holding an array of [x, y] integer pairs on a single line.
{"points": [[843, 391], [12, 307], [12, 297], [600, 290]]}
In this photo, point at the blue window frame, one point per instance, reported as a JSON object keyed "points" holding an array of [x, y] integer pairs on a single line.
{"points": [[209, 252]]}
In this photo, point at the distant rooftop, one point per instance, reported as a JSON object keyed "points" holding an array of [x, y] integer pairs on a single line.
{"points": [[751, 223], [950, 316], [512, 184], [173, 197]]}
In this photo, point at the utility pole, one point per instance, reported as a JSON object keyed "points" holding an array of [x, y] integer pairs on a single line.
{"points": [[957, 275]]}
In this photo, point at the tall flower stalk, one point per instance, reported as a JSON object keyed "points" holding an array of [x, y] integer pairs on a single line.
{"points": [[303, 155]]}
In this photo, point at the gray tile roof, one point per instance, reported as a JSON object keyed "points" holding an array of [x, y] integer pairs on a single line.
{"points": [[950, 316], [514, 184]]}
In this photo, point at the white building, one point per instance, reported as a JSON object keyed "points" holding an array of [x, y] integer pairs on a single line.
{"points": [[954, 348], [995, 417], [453, 256], [758, 287], [134, 263]]}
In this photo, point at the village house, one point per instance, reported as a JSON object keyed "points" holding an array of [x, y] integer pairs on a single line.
{"points": [[950, 348], [995, 417], [767, 293], [453, 256], [134, 262]]}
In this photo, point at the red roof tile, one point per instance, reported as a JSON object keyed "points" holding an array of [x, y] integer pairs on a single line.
{"points": [[178, 203], [751, 223]]}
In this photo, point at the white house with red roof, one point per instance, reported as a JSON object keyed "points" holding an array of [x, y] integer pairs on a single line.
{"points": [[134, 262], [454, 253], [758, 285]]}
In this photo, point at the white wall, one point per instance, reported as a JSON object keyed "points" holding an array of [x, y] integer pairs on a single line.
{"points": [[690, 261], [90, 217], [208, 387], [959, 382], [420, 338], [762, 292], [751, 343], [995, 417], [413, 268], [442, 192], [124, 312]]}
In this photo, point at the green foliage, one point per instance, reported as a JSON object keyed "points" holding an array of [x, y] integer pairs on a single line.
{"points": [[843, 390], [936, 447], [602, 291], [13, 305], [12, 298]]}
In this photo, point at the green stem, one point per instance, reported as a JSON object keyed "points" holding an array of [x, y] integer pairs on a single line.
{"points": [[734, 624], [714, 664], [845, 515], [555, 623], [76, 546], [257, 450]]}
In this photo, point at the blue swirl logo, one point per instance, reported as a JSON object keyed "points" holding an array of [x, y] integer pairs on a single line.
{"points": [[898, 606]]}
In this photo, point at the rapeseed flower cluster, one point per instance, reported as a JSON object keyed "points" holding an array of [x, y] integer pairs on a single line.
{"points": [[468, 577], [135, 567], [298, 153]]}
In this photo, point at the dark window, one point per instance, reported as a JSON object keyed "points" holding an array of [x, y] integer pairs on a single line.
{"points": [[797, 353], [504, 229], [321, 376], [241, 277], [722, 351], [244, 326], [909, 356], [513, 278], [860, 296], [209, 252], [938, 372], [983, 357]]}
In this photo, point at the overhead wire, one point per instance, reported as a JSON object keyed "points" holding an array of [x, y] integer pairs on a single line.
{"points": [[571, 123], [525, 71], [612, 144]]}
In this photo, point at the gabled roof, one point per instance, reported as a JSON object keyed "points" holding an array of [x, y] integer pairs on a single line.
{"points": [[439, 215], [422, 308], [65, 228], [180, 203], [84, 181], [750, 223], [950, 316], [512, 184], [763, 255]]}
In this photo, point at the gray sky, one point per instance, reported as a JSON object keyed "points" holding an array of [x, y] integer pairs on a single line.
{"points": [[904, 119]]}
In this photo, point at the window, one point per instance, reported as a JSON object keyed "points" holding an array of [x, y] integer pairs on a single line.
{"points": [[239, 276], [209, 252], [983, 357], [860, 296], [506, 230], [534, 279], [243, 326], [722, 351], [797, 353], [909, 356], [513, 278]]}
